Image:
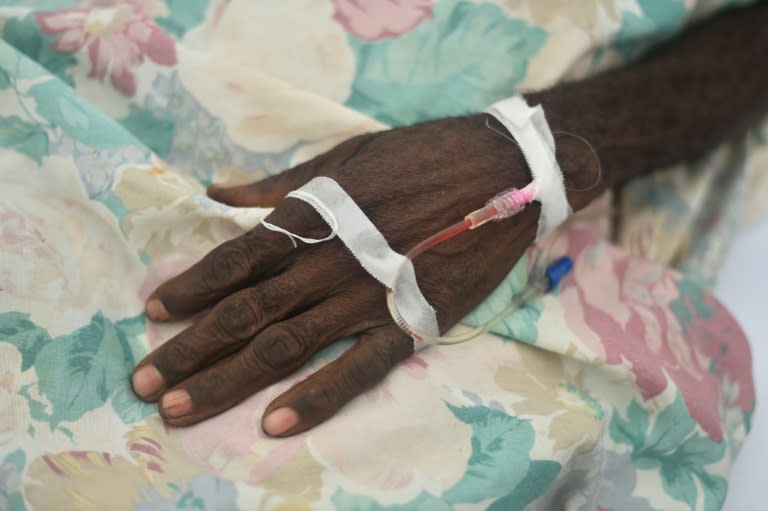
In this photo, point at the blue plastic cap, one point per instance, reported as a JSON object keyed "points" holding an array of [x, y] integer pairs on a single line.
{"points": [[558, 270]]}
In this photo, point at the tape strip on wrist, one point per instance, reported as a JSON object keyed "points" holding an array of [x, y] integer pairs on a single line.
{"points": [[528, 125], [370, 248]]}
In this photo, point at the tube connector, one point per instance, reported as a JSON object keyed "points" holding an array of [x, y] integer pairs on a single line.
{"points": [[504, 205]]}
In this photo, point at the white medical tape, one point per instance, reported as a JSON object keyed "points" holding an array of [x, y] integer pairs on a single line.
{"points": [[324, 212], [368, 245], [529, 127]]}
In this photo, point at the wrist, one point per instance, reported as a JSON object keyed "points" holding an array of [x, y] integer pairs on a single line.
{"points": [[584, 177]]}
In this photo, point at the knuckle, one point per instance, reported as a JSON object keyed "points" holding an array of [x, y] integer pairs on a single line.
{"points": [[226, 265], [285, 349], [362, 375], [322, 397], [238, 317], [252, 361], [176, 358], [383, 356], [215, 383], [299, 217]]}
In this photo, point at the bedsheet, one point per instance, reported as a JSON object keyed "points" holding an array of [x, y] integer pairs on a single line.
{"points": [[630, 388]]}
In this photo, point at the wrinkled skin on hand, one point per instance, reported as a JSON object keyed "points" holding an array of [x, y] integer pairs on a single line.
{"points": [[272, 306]]}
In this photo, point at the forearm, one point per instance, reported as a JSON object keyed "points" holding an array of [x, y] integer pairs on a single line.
{"points": [[699, 89]]}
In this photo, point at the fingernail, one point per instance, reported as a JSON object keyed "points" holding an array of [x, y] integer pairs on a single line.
{"points": [[147, 381], [280, 421], [176, 403], [156, 310]]}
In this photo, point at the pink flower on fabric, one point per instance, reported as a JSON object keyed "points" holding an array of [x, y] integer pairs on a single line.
{"points": [[19, 234], [372, 20], [118, 36], [646, 323]]}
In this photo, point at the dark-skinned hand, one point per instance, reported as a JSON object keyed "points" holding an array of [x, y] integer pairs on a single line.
{"points": [[272, 306]]}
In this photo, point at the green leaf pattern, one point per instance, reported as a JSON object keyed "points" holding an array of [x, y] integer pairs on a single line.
{"points": [[456, 60], [672, 444], [500, 456], [24, 34], [499, 469], [82, 370], [25, 137], [464, 44]]}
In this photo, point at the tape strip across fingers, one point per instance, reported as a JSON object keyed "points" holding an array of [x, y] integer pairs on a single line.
{"points": [[368, 245]]}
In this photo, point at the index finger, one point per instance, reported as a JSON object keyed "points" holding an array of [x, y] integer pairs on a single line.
{"points": [[235, 264]]}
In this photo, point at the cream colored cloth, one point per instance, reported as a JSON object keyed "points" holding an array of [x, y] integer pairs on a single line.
{"points": [[629, 389]]}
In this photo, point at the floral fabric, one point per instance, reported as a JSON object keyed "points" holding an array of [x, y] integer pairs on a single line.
{"points": [[628, 389]]}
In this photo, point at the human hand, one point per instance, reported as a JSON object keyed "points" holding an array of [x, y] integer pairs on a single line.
{"points": [[274, 306]]}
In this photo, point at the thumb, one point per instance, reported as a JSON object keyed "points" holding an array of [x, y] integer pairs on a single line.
{"points": [[269, 192]]}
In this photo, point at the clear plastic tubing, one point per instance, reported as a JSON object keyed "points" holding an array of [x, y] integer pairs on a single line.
{"points": [[504, 205]]}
